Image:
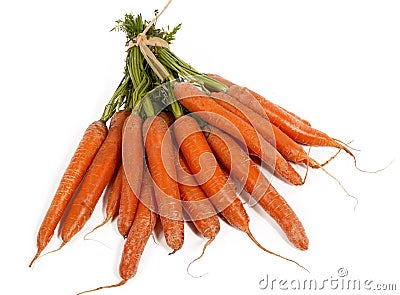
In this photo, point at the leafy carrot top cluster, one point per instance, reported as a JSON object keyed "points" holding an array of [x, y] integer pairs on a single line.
{"points": [[139, 79]]}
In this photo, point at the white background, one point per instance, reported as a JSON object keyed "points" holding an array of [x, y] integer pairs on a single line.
{"points": [[336, 63]]}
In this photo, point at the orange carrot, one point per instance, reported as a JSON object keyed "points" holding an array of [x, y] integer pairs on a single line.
{"points": [[210, 176], [99, 174], [247, 173], [278, 110], [113, 199], [195, 202], [289, 149], [132, 157], [127, 206], [160, 154], [293, 127], [142, 227], [210, 111], [73, 175]]}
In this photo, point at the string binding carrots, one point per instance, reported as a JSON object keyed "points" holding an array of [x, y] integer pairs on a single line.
{"points": [[171, 140]]}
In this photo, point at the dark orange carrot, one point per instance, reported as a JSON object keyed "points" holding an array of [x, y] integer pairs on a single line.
{"points": [[210, 176], [293, 127], [99, 174], [113, 199], [288, 148], [73, 175], [210, 111], [132, 158], [160, 155], [143, 225], [278, 110], [139, 234], [207, 172], [127, 206], [247, 173], [195, 201]]}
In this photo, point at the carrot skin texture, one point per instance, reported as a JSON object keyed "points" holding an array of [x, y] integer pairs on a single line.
{"points": [[286, 146], [132, 157], [114, 196], [248, 174], [161, 160], [99, 174], [294, 128], [277, 109], [73, 175], [127, 207], [210, 111], [196, 202], [142, 227], [207, 172]]}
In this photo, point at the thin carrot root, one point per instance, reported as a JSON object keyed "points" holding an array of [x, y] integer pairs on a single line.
{"points": [[330, 159], [308, 165], [37, 256], [372, 171], [198, 258], [248, 232], [346, 147], [97, 227], [342, 186], [346, 144], [104, 287], [173, 252]]}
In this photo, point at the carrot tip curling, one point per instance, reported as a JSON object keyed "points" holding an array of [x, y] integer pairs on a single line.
{"points": [[198, 258]]}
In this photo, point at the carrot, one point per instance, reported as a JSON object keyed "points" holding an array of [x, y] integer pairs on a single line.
{"points": [[142, 227], [99, 174], [195, 202], [112, 207], [210, 111], [210, 176], [289, 149], [278, 110], [73, 175], [113, 199], [160, 154], [247, 173], [197, 205], [294, 128], [128, 205], [132, 157]]}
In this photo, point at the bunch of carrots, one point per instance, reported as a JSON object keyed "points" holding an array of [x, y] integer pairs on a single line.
{"points": [[171, 149]]}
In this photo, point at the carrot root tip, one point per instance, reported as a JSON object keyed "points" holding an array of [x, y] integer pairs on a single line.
{"points": [[97, 227], [248, 232], [198, 258], [103, 287], [35, 257], [342, 186]]}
